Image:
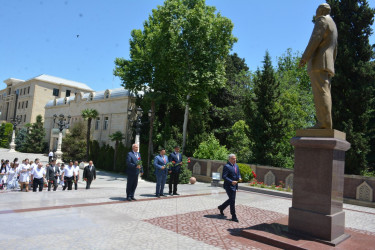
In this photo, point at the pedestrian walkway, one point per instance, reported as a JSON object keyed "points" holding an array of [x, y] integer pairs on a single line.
{"points": [[100, 218]]}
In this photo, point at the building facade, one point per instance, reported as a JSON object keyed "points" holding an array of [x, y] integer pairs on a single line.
{"points": [[27, 99], [111, 104]]}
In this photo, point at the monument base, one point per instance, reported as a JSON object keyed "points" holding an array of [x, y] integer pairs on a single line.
{"points": [[324, 133], [329, 229]]}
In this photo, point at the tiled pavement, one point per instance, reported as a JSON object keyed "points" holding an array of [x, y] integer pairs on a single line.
{"points": [[99, 218]]}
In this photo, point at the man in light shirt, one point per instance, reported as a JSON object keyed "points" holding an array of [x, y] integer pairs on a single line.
{"points": [[67, 176], [76, 174], [50, 156], [37, 175]]}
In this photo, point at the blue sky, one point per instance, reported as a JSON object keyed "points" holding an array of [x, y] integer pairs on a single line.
{"points": [[40, 36]]}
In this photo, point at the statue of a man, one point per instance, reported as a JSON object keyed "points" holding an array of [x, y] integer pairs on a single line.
{"points": [[320, 55]]}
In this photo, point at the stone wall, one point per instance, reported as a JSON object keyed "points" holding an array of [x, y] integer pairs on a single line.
{"points": [[356, 187]]}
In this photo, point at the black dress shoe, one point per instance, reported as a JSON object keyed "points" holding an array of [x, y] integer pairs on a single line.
{"points": [[162, 195], [221, 211], [170, 193], [176, 194], [158, 196], [134, 199], [234, 219], [128, 199]]}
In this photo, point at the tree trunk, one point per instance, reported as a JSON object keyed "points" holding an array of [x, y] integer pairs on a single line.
{"points": [[186, 117], [88, 138], [115, 156], [150, 145]]}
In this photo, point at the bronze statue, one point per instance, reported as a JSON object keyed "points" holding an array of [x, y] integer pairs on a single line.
{"points": [[320, 55]]}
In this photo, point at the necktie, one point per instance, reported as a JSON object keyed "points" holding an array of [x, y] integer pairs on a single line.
{"points": [[235, 169], [178, 158], [164, 160]]}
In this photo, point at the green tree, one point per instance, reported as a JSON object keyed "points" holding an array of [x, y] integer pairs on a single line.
{"points": [[6, 130], [354, 83], [21, 139], [240, 142], [74, 143], [180, 52], [117, 137], [211, 149], [89, 114], [265, 117], [35, 142]]}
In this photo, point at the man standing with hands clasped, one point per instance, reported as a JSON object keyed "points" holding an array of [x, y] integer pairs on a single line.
{"points": [[231, 176], [89, 174], [176, 159], [134, 167]]}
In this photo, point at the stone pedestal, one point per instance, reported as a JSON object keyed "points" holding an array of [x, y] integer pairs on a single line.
{"points": [[13, 142], [317, 207], [58, 150]]}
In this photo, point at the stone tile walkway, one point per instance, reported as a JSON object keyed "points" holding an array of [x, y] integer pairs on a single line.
{"points": [[99, 218]]}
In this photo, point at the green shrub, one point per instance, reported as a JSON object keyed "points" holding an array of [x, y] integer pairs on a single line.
{"points": [[246, 172], [211, 149]]}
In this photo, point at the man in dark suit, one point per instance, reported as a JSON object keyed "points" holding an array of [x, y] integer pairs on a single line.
{"points": [[175, 170], [53, 173], [231, 176], [89, 174], [133, 169]]}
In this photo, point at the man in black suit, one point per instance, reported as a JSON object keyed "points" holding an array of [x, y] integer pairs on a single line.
{"points": [[231, 176], [176, 159], [133, 169], [53, 173], [89, 174]]}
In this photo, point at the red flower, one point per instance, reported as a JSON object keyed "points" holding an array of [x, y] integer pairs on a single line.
{"points": [[139, 158], [173, 162], [188, 160]]}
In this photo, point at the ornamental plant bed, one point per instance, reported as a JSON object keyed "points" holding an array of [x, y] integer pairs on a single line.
{"points": [[280, 187]]}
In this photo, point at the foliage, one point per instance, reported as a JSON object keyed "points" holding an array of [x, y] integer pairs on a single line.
{"points": [[74, 143], [266, 121], [247, 174], [89, 114], [21, 139], [35, 142], [211, 149], [353, 87], [117, 137], [6, 130], [241, 142]]}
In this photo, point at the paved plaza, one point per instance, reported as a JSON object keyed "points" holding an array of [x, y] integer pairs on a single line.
{"points": [[100, 218]]}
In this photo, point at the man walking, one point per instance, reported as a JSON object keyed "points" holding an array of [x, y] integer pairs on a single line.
{"points": [[37, 176], [231, 176], [176, 159], [89, 174], [67, 176], [76, 174], [53, 173], [134, 168]]}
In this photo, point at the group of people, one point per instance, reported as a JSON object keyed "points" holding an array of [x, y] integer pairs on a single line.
{"points": [[163, 164], [15, 175]]}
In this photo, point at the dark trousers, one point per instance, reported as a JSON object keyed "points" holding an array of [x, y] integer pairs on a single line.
{"points": [[230, 202], [68, 183], [50, 158], [54, 182], [173, 179], [36, 183], [76, 183], [131, 185], [88, 183]]}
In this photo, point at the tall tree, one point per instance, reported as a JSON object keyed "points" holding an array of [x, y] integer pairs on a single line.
{"points": [[180, 52], [74, 143], [117, 137], [89, 114], [265, 117], [354, 83], [35, 137]]}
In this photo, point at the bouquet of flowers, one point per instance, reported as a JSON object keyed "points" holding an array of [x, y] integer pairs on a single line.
{"points": [[139, 161], [170, 165]]}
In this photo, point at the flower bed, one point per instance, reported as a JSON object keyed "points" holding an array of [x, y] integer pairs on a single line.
{"points": [[280, 187]]}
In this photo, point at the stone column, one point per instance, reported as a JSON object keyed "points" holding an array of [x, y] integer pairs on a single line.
{"points": [[58, 150], [13, 142], [317, 206]]}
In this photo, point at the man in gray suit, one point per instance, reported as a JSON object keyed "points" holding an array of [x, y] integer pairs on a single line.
{"points": [[53, 172], [320, 55]]}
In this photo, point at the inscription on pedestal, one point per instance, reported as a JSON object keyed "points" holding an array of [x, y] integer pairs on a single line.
{"points": [[289, 181], [269, 178], [364, 192], [197, 168]]}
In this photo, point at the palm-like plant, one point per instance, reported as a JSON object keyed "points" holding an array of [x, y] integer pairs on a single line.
{"points": [[117, 137], [89, 114]]}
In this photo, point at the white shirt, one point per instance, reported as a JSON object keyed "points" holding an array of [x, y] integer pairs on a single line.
{"points": [[68, 171], [76, 170], [33, 166], [38, 172], [24, 176], [50, 154]]}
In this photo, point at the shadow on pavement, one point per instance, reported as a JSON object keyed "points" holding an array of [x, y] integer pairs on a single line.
{"points": [[118, 198], [215, 216]]}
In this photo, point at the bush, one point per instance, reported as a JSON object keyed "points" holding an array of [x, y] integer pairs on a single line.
{"points": [[246, 172], [211, 149], [6, 130]]}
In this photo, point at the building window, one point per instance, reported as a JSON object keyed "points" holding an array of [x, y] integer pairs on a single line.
{"points": [[24, 118], [28, 90], [19, 105], [67, 93], [55, 92], [24, 91], [107, 94], [105, 125], [91, 97], [65, 100], [97, 123], [9, 91], [22, 104], [27, 102]]}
